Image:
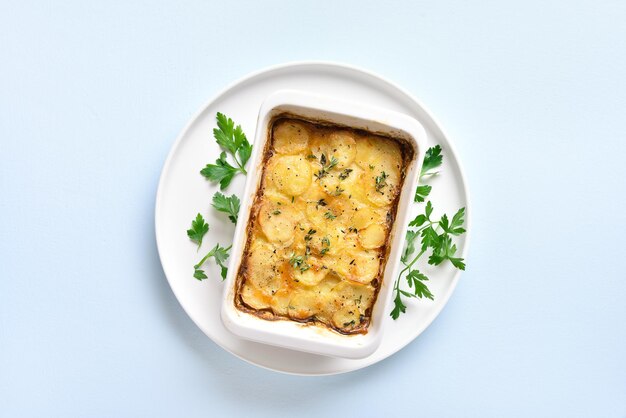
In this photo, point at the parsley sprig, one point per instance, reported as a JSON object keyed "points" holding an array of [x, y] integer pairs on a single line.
{"points": [[198, 229], [232, 140], [432, 160], [229, 205], [220, 254], [434, 236]]}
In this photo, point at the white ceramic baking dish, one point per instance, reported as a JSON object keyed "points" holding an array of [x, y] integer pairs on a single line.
{"points": [[309, 337]]}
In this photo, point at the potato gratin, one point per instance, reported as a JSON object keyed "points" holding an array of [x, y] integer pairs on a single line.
{"points": [[319, 225]]}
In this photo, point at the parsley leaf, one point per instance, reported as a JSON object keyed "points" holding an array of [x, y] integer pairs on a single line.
{"points": [[457, 262], [432, 159], [221, 171], [416, 281], [199, 274], [457, 222], [453, 227], [399, 307], [229, 205], [198, 229], [445, 250], [429, 209], [430, 238], [444, 222], [244, 152], [418, 221], [224, 133], [410, 245], [232, 140], [422, 192]]}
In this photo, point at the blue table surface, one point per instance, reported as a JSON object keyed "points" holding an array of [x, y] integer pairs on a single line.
{"points": [[93, 94]]}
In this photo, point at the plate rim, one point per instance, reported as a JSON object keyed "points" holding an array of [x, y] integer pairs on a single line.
{"points": [[329, 65]]}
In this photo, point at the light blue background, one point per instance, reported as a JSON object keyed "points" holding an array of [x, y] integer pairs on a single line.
{"points": [[92, 96]]}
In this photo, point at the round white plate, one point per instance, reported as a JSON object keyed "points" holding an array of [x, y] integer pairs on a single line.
{"points": [[183, 193]]}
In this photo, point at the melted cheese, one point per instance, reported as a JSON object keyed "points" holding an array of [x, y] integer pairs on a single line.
{"points": [[318, 234]]}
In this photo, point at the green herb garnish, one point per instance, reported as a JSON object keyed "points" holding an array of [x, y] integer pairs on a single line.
{"points": [[326, 166], [422, 192], [381, 182], [325, 245], [229, 205], [299, 262], [232, 140], [436, 237], [432, 160], [198, 229], [309, 235], [220, 254], [345, 173]]}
